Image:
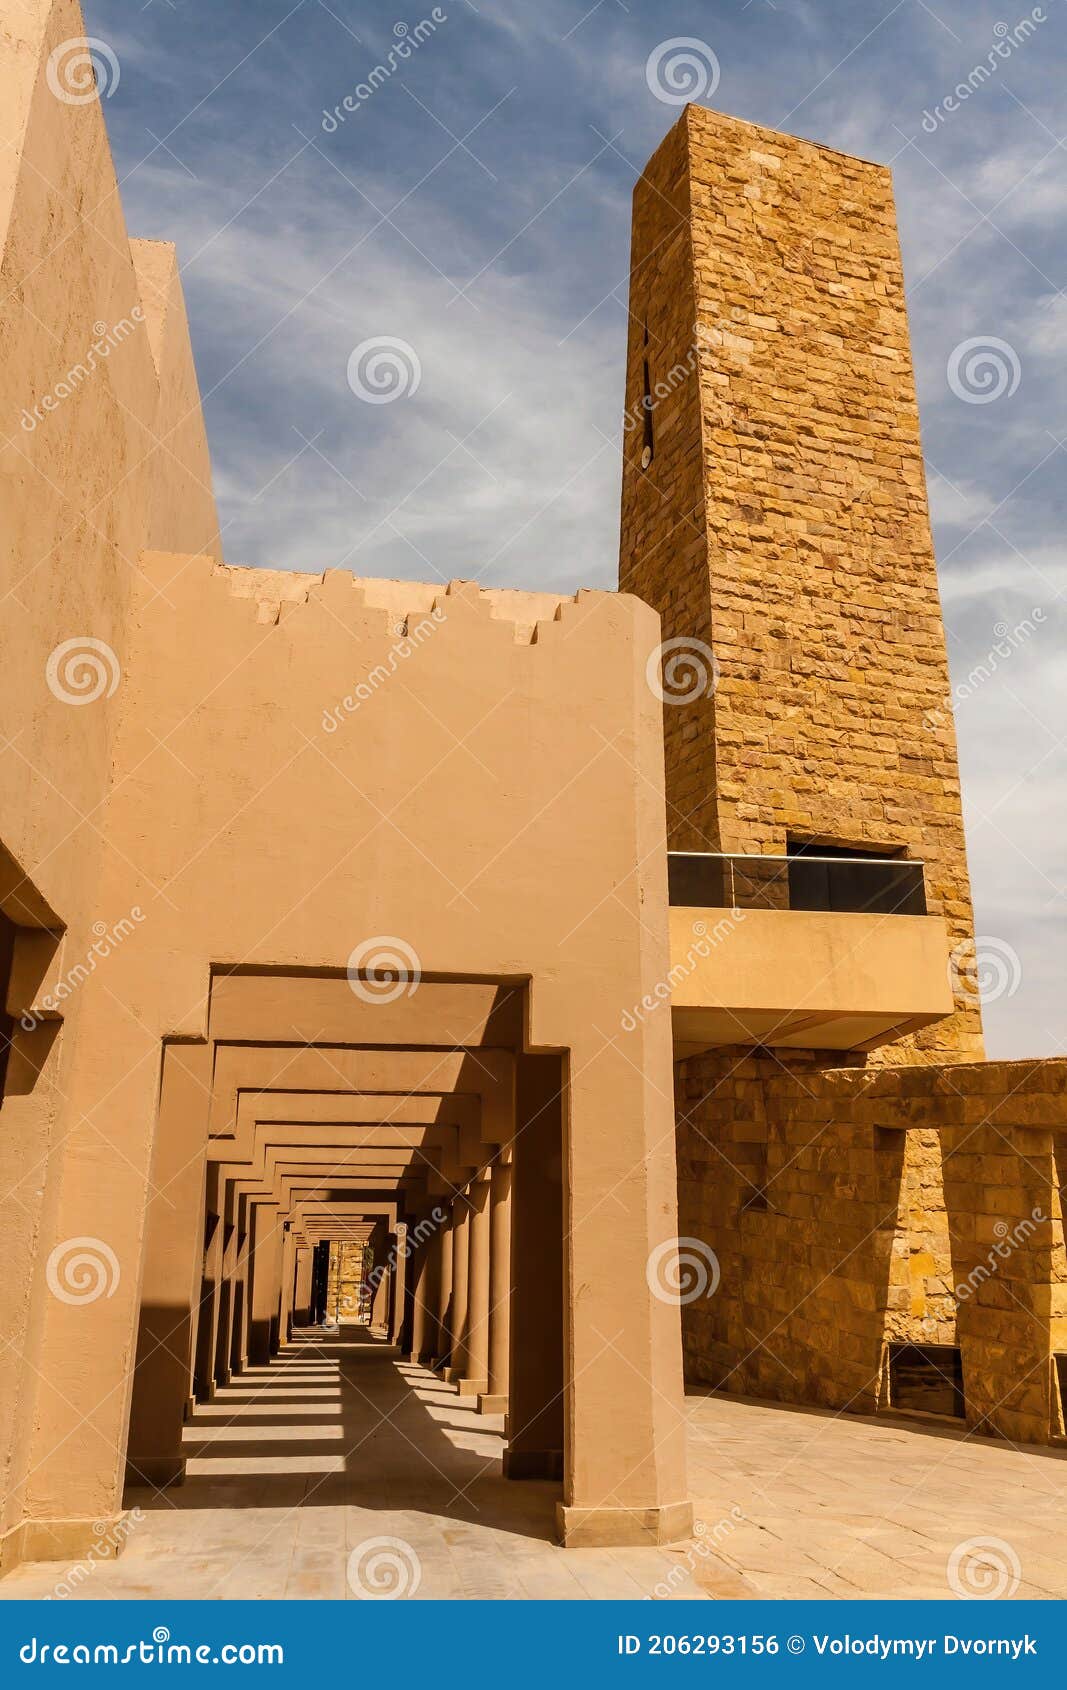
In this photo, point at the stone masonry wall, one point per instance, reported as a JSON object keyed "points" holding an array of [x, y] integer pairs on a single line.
{"points": [[345, 1280], [663, 551], [774, 512], [803, 579], [798, 1182]]}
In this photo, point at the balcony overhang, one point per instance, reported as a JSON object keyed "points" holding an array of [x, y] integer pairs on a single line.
{"points": [[804, 978]]}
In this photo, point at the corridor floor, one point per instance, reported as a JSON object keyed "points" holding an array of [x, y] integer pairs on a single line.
{"points": [[338, 1471], [343, 1471]]}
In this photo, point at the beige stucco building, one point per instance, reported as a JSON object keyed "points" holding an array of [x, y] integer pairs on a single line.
{"points": [[480, 966]]}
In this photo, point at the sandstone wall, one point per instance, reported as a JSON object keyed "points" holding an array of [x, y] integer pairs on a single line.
{"points": [[821, 1194], [345, 1282], [781, 528]]}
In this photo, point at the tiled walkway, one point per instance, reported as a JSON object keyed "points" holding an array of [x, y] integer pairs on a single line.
{"points": [[835, 1505], [297, 1473]]}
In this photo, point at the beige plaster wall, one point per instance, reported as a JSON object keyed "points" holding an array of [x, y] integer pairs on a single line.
{"points": [[485, 803], [86, 479]]}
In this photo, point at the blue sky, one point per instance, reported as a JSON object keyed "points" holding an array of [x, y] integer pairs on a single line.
{"points": [[476, 207]]}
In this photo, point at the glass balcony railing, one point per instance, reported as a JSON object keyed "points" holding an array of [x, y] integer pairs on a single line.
{"points": [[800, 881]]}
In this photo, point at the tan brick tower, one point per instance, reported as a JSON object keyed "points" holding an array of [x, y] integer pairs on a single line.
{"points": [[774, 513]]}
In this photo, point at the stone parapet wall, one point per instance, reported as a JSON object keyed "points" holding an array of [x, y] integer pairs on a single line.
{"points": [[851, 1208], [345, 1283]]}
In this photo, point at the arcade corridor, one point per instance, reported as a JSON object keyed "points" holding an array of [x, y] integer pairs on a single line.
{"points": [[337, 1444]]}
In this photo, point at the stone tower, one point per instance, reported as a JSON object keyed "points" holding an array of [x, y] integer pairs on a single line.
{"points": [[774, 513]]}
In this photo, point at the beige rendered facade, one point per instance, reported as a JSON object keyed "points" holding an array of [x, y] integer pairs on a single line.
{"points": [[355, 929]]}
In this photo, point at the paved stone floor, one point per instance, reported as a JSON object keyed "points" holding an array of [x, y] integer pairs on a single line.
{"points": [[342, 1471], [838, 1505]]}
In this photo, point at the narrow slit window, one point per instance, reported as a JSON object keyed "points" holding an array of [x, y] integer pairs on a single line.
{"points": [[648, 442]]}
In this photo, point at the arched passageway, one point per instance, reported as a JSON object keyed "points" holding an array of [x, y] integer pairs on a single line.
{"points": [[420, 1142]]}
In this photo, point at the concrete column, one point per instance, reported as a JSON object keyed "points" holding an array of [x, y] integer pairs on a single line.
{"points": [[399, 1255], [495, 1399], [475, 1381], [536, 1396], [424, 1264], [276, 1329], [381, 1301], [239, 1317], [404, 1339], [264, 1265], [171, 1284], [224, 1302], [210, 1292], [442, 1343], [302, 1287], [288, 1285], [457, 1364], [418, 1277]]}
